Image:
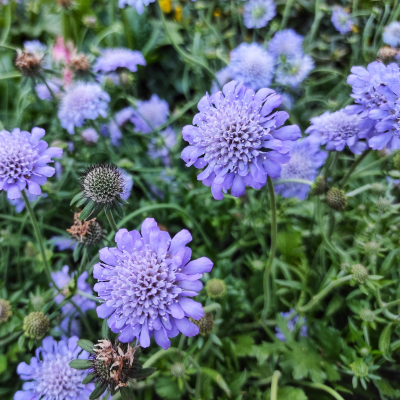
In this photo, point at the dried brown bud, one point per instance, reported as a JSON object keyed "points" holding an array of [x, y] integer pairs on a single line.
{"points": [[387, 53], [67, 4], [80, 64], [29, 64], [88, 232]]}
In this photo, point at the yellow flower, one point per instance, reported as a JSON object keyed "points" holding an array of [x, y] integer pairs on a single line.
{"points": [[217, 13], [166, 6], [178, 13]]}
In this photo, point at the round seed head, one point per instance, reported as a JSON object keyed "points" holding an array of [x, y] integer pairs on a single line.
{"points": [[359, 368], [90, 21], [371, 248], [36, 325], [205, 324], [396, 160], [29, 64], [257, 264], [37, 302], [364, 352], [319, 186], [104, 183], [360, 273], [87, 232], [345, 266], [216, 288], [126, 78], [383, 204], [336, 199], [5, 310], [178, 369], [377, 189], [367, 315]]}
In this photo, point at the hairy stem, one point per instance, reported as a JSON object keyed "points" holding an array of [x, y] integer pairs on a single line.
{"points": [[274, 385]]}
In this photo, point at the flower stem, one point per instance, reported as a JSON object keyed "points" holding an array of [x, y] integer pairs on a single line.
{"points": [[274, 385], [111, 221], [353, 167], [272, 250], [326, 388], [38, 237]]}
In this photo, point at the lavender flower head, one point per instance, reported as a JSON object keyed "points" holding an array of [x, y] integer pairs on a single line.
{"points": [[337, 130], [223, 77], [237, 134], [150, 114], [35, 47], [128, 186], [291, 325], [341, 20], [146, 283], [118, 58], [160, 146], [257, 13], [63, 242], [124, 115], [294, 70], [391, 34], [43, 91], [306, 158], [82, 101], [286, 43], [376, 91], [23, 161], [89, 136], [251, 65], [137, 4], [50, 377]]}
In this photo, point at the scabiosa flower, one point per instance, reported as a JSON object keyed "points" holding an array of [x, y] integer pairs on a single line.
{"points": [[50, 376], [257, 13], [291, 324], [23, 161], [160, 146], [286, 43], [391, 34], [251, 65], [145, 283], [128, 187], [118, 58], [29, 64], [82, 101], [124, 115], [34, 47], [89, 136], [238, 136], [337, 130], [63, 242], [341, 20], [43, 91], [150, 114], [294, 70], [101, 188], [223, 77], [305, 159], [138, 4]]}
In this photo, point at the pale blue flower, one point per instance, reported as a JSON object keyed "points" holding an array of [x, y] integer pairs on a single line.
{"points": [[137, 4], [114, 59], [391, 34], [286, 43], [294, 70], [257, 13], [341, 20]]}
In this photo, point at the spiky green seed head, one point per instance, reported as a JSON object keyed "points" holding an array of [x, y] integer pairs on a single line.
{"points": [[319, 186], [205, 324], [360, 273], [216, 288], [178, 369], [371, 248], [345, 266], [36, 325], [377, 189], [37, 302], [103, 183], [336, 199], [383, 204], [5, 310], [396, 160], [367, 315], [359, 368]]}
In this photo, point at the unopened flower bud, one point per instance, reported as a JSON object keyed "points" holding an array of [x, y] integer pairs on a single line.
{"points": [[345, 266], [336, 199], [205, 324], [29, 64], [89, 136], [360, 273], [37, 302], [66, 4], [367, 315], [178, 369], [364, 352], [377, 189], [319, 186], [383, 204], [387, 53], [36, 325], [371, 248], [5, 310], [359, 368], [87, 232], [216, 288], [80, 64]]}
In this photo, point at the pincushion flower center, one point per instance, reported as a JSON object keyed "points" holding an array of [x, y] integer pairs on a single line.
{"points": [[254, 66]]}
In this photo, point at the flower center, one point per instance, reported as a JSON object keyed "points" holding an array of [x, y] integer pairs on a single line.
{"points": [[143, 287], [258, 12], [299, 167], [231, 135], [343, 130], [17, 158], [254, 66]]}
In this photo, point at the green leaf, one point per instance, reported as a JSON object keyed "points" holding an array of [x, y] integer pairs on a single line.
{"points": [[98, 391], [86, 345], [105, 330], [167, 389], [87, 210], [76, 252], [77, 197], [89, 378], [80, 364], [289, 393], [3, 363], [217, 377], [384, 341], [81, 202], [118, 209], [126, 393], [21, 341], [144, 373]]}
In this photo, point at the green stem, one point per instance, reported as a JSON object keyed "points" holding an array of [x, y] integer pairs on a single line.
{"points": [[10, 338], [39, 238], [318, 297], [274, 385], [88, 296], [390, 304], [353, 167], [366, 335], [304, 181], [327, 389], [272, 250], [286, 13], [111, 221]]}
